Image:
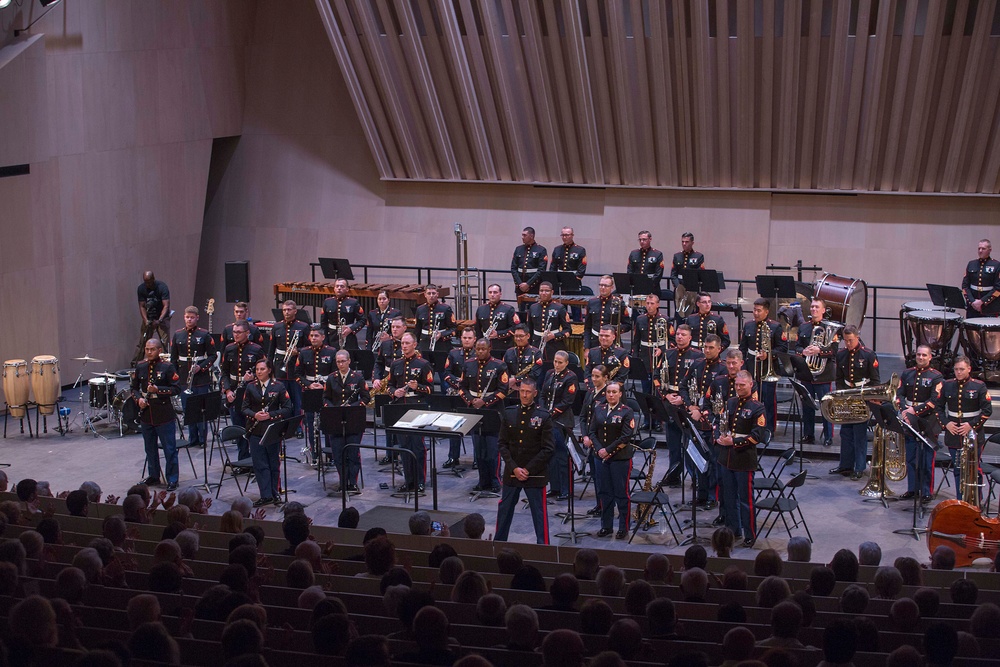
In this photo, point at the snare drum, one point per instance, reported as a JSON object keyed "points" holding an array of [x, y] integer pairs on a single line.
{"points": [[16, 385], [102, 391], [934, 328], [846, 298], [45, 382]]}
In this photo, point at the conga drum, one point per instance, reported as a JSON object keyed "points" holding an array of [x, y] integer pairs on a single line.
{"points": [[45, 382], [16, 385], [846, 298]]}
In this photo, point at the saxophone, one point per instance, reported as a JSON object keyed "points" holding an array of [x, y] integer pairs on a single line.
{"points": [[378, 392], [435, 327], [642, 509], [524, 370], [969, 464]]}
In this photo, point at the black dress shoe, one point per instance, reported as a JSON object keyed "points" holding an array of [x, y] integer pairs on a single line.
{"points": [[172, 486], [827, 442], [855, 476], [620, 535], [562, 496], [807, 440], [748, 543], [477, 488], [450, 463], [596, 511], [495, 489], [840, 471], [260, 502], [353, 488], [403, 488], [420, 488], [926, 499], [604, 532], [385, 460], [718, 521], [150, 481], [907, 496]]}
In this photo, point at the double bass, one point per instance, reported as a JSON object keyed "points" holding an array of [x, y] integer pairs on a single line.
{"points": [[962, 527]]}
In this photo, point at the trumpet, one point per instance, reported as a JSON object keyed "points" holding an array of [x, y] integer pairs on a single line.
{"points": [[494, 322], [288, 352], [546, 329], [764, 369], [341, 336], [377, 338]]}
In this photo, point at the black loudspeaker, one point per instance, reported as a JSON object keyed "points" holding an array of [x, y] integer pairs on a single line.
{"points": [[237, 281]]}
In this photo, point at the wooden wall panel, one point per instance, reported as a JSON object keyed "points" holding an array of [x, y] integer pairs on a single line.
{"points": [[716, 94]]}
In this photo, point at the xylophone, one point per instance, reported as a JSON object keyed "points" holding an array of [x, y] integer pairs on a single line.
{"points": [[313, 294]]}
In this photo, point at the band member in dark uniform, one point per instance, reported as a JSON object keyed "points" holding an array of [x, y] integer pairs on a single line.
{"points": [[192, 351], [451, 381], [650, 339], [345, 387], [549, 323], [237, 364], [388, 352], [558, 393], [819, 384], [857, 366], [529, 260], [686, 259], [525, 447], [435, 321], [613, 357], [312, 365], [379, 320], [523, 360], [646, 260], [595, 395], [919, 388], [981, 284], [343, 317], [705, 322], [963, 406], [695, 393], [496, 321], [153, 384], [483, 385], [737, 452], [568, 256], [724, 386], [288, 337], [611, 431], [263, 401], [705, 370], [240, 312], [751, 345], [605, 308], [154, 309], [679, 361], [411, 380]]}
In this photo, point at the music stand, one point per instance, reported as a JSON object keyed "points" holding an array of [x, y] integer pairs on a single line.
{"points": [[886, 420], [312, 402], [302, 315], [576, 463], [946, 296], [449, 403], [703, 280], [334, 268], [805, 398], [892, 417], [348, 420], [635, 283], [488, 426], [563, 282], [363, 360], [279, 431], [780, 287], [637, 372], [201, 409], [646, 402]]}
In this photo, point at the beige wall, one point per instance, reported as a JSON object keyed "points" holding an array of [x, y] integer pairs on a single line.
{"points": [[113, 105]]}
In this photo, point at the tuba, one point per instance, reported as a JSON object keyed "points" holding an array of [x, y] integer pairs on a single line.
{"points": [[969, 464], [848, 406], [882, 458]]}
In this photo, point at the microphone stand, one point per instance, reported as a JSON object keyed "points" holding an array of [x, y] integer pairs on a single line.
{"points": [[917, 507]]}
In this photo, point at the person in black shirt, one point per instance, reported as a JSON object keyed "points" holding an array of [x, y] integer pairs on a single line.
{"points": [[154, 308]]}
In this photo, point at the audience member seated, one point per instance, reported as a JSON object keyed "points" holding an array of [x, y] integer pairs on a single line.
{"points": [[625, 639], [521, 622], [658, 569], [469, 587], [565, 591], [368, 651], [737, 646], [731, 612], [638, 594], [380, 556], [231, 522], [985, 621], [870, 554], [867, 633], [734, 579], [928, 601], [349, 518], [596, 617], [586, 563], [771, 591], [694, 585], [822, 581], [661, 618], [799, 550], [474, 526], [528, 578], [420, 523], [70, 584], [723, 541], [910, 570], [807, 605], [143, 608], [904, 615], [964, 591], [943, 558], [840, 639], [490, 610], [854, 600], [241, 637], [151, 641], [888, 583], [563, 648], [300, 575], [845, 565], [610, 581], [77, 503], [509, 561], [295, 528], [450, 569], [786, 620], [331, 634], [767, 564], [695, 556], [940, 643], [439, 553]]}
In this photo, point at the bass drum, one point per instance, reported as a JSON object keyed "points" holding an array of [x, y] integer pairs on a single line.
{"points": [[127, 411], [846, 298]]}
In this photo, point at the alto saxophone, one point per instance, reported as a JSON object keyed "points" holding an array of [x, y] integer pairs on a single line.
{"points": [[642, 509]]}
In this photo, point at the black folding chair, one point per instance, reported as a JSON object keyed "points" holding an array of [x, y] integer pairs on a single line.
{"points": [[655, 499], [231, 435], [784, 503], [771, 482]]}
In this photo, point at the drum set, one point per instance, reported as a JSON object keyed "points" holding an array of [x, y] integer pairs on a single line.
{"points": [[102, 403], [40, 377], [945, 331]]}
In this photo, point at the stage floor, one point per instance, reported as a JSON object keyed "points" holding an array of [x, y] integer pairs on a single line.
{"points": [[837, 516]]}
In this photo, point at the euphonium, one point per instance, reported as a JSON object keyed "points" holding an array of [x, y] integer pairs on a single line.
{"points": [[662, 328], [822, 335], [848, 406], [969, 464]]}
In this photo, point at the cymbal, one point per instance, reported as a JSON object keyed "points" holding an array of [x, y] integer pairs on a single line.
{"points": [[105, 375], [89, 359]]}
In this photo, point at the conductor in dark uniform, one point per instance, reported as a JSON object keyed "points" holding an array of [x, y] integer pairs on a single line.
{"points": [[529, 260], [411, 380], [153, 384], [525, 446], [343, 317], [736, 450], [611, 430], [345, 387], [919, 388], [264, 401], [752, 344], [857, 366], [963, 406], [981, 284]]}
